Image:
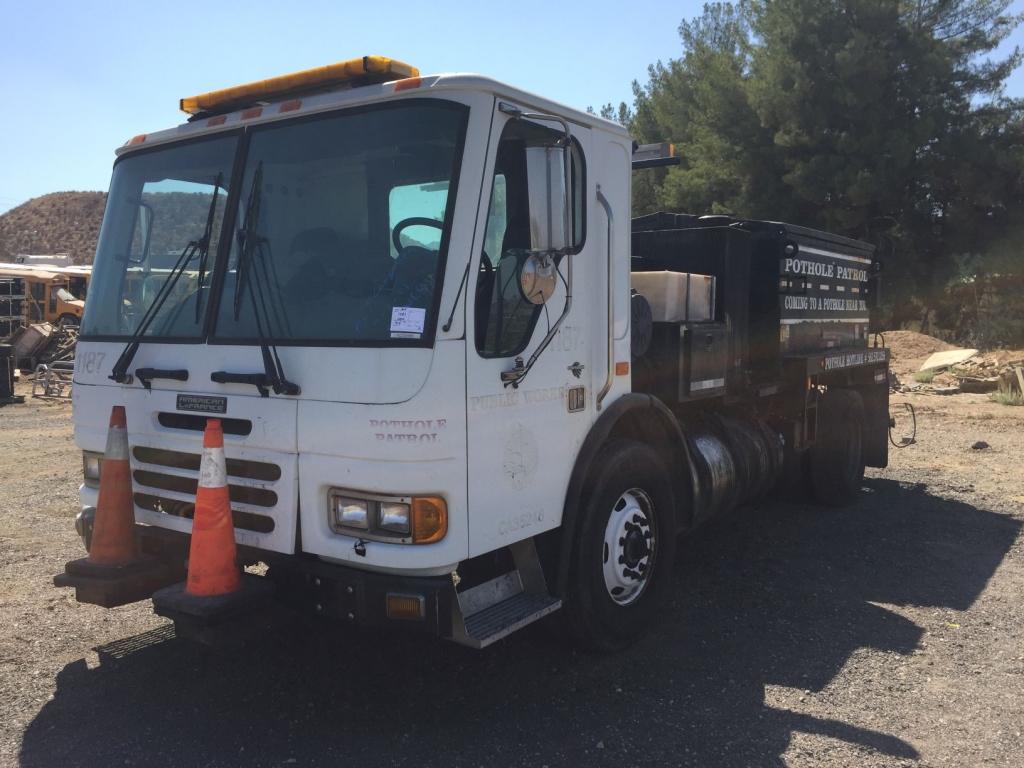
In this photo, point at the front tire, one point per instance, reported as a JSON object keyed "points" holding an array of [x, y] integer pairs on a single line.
{"points": [[625, 549]]}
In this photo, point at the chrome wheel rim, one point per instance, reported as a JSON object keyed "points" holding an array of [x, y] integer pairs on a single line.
{"points": [[629, 547]]}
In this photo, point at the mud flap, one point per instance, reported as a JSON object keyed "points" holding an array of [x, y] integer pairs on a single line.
{"points": [[875, 446]]}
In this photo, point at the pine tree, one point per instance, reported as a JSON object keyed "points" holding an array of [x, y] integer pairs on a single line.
{"points": [[880, 119]]}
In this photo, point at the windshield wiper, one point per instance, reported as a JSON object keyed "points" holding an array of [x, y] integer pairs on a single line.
{"points": [[252, 276], [204, 253], [200, 248]]}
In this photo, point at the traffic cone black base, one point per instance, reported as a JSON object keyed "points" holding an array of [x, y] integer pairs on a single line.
{"points": [[112, 585], [198, 617]]}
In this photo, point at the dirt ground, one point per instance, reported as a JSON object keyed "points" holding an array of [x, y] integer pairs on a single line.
{"points": [[889, 633]]}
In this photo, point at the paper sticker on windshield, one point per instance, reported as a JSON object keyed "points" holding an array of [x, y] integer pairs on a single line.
{"points": [[407, 320]]}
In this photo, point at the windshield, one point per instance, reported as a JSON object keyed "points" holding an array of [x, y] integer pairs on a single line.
{"points": [[158, 205], [340, 227], [350, 226]]}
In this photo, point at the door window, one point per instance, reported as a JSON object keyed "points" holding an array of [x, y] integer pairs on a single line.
{"points": [[505, 320]]}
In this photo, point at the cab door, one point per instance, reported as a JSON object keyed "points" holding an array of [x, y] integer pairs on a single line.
{"points": [[521, 439]]}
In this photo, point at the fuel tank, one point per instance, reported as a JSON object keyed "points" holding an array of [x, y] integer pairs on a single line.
{"points": [[738, 459]]}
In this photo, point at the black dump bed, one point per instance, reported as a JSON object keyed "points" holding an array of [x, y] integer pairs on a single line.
{"points": [[781, 290]]}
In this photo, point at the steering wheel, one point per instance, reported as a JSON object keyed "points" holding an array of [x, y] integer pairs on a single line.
{"points": [[396, 233]]}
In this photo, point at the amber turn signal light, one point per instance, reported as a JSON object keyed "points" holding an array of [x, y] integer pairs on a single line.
{"points": [[429, 519], [409, 607]]}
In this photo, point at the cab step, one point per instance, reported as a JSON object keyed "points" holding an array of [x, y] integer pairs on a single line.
{"points": [[487, 612], [500, 620]]}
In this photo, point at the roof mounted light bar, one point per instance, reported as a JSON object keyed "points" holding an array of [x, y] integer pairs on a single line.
{"points": [[654, 155], [351, 73]]}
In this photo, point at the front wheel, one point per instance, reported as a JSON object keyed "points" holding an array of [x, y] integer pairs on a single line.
{"points": [[623, 557]]}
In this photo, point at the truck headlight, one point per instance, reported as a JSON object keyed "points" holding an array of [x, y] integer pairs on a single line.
{"points": [[394, 516], [395, 519], [350, 513], [91, 462]]}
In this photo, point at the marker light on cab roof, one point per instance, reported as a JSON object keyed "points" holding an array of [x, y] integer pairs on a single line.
{"points": [[362, 71]]}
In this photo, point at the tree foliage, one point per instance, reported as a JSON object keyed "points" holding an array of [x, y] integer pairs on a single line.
{"points": [[884, 120]]}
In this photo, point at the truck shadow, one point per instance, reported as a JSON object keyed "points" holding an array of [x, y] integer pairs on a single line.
{"points": [[783, 597]]}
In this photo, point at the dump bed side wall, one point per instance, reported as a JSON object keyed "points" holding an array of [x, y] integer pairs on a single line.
{"points": [[783, 289]]}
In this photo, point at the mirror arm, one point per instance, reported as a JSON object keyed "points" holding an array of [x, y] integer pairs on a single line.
{"points": [[611, 301], [515, 376]]}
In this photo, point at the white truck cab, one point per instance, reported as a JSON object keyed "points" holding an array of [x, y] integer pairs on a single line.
{"points": [[370, 240]]}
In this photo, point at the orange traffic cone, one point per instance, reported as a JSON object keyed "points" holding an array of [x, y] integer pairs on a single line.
{"points": [[113, 536], [212, 569], [216, 598], [115, 572]]}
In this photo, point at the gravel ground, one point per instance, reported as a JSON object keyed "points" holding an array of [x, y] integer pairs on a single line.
{"points": [[889, 633]]}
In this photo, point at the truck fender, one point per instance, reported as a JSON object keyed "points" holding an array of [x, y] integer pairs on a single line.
{"points": [[635, 416]]}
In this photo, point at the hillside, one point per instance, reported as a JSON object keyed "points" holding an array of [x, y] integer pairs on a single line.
{"points": [[55, 223]]}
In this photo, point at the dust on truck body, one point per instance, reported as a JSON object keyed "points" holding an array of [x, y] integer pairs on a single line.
{"points": [[408, 300]]}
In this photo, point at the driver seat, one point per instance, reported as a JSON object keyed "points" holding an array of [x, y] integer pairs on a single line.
{"points": [[413, 277]]}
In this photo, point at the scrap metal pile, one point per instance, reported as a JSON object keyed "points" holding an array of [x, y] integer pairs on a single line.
{"points": [[44, 343], [966, 370], [48, 351]]}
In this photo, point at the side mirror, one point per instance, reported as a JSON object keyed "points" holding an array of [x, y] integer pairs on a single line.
{"points": [[548, 180], [537, 277]]}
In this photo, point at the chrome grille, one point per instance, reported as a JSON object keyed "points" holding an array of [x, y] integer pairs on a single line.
{"points": [[173, 492]]}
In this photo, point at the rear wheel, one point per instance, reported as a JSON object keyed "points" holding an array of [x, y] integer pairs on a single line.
{"points": [[622, 561], [836, 461]]}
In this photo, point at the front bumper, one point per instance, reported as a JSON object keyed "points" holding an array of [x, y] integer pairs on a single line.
{"points": [[361, 597], [335, 592]]}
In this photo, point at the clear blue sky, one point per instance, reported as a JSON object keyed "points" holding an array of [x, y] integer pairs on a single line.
{"points": [[79, 78]]}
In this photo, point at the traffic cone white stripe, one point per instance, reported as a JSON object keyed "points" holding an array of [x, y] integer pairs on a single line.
{"points": [[117, 444], [212, 560], [213, 469]]}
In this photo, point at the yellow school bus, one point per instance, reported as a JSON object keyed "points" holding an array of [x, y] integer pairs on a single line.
{"points": [[51, 294]]}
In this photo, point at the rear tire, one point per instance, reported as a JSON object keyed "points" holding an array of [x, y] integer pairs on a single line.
{"points": [[835, 463], [624, 553]]}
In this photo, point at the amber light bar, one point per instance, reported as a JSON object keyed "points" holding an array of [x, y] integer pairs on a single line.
{"points": [[361, 71]]}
